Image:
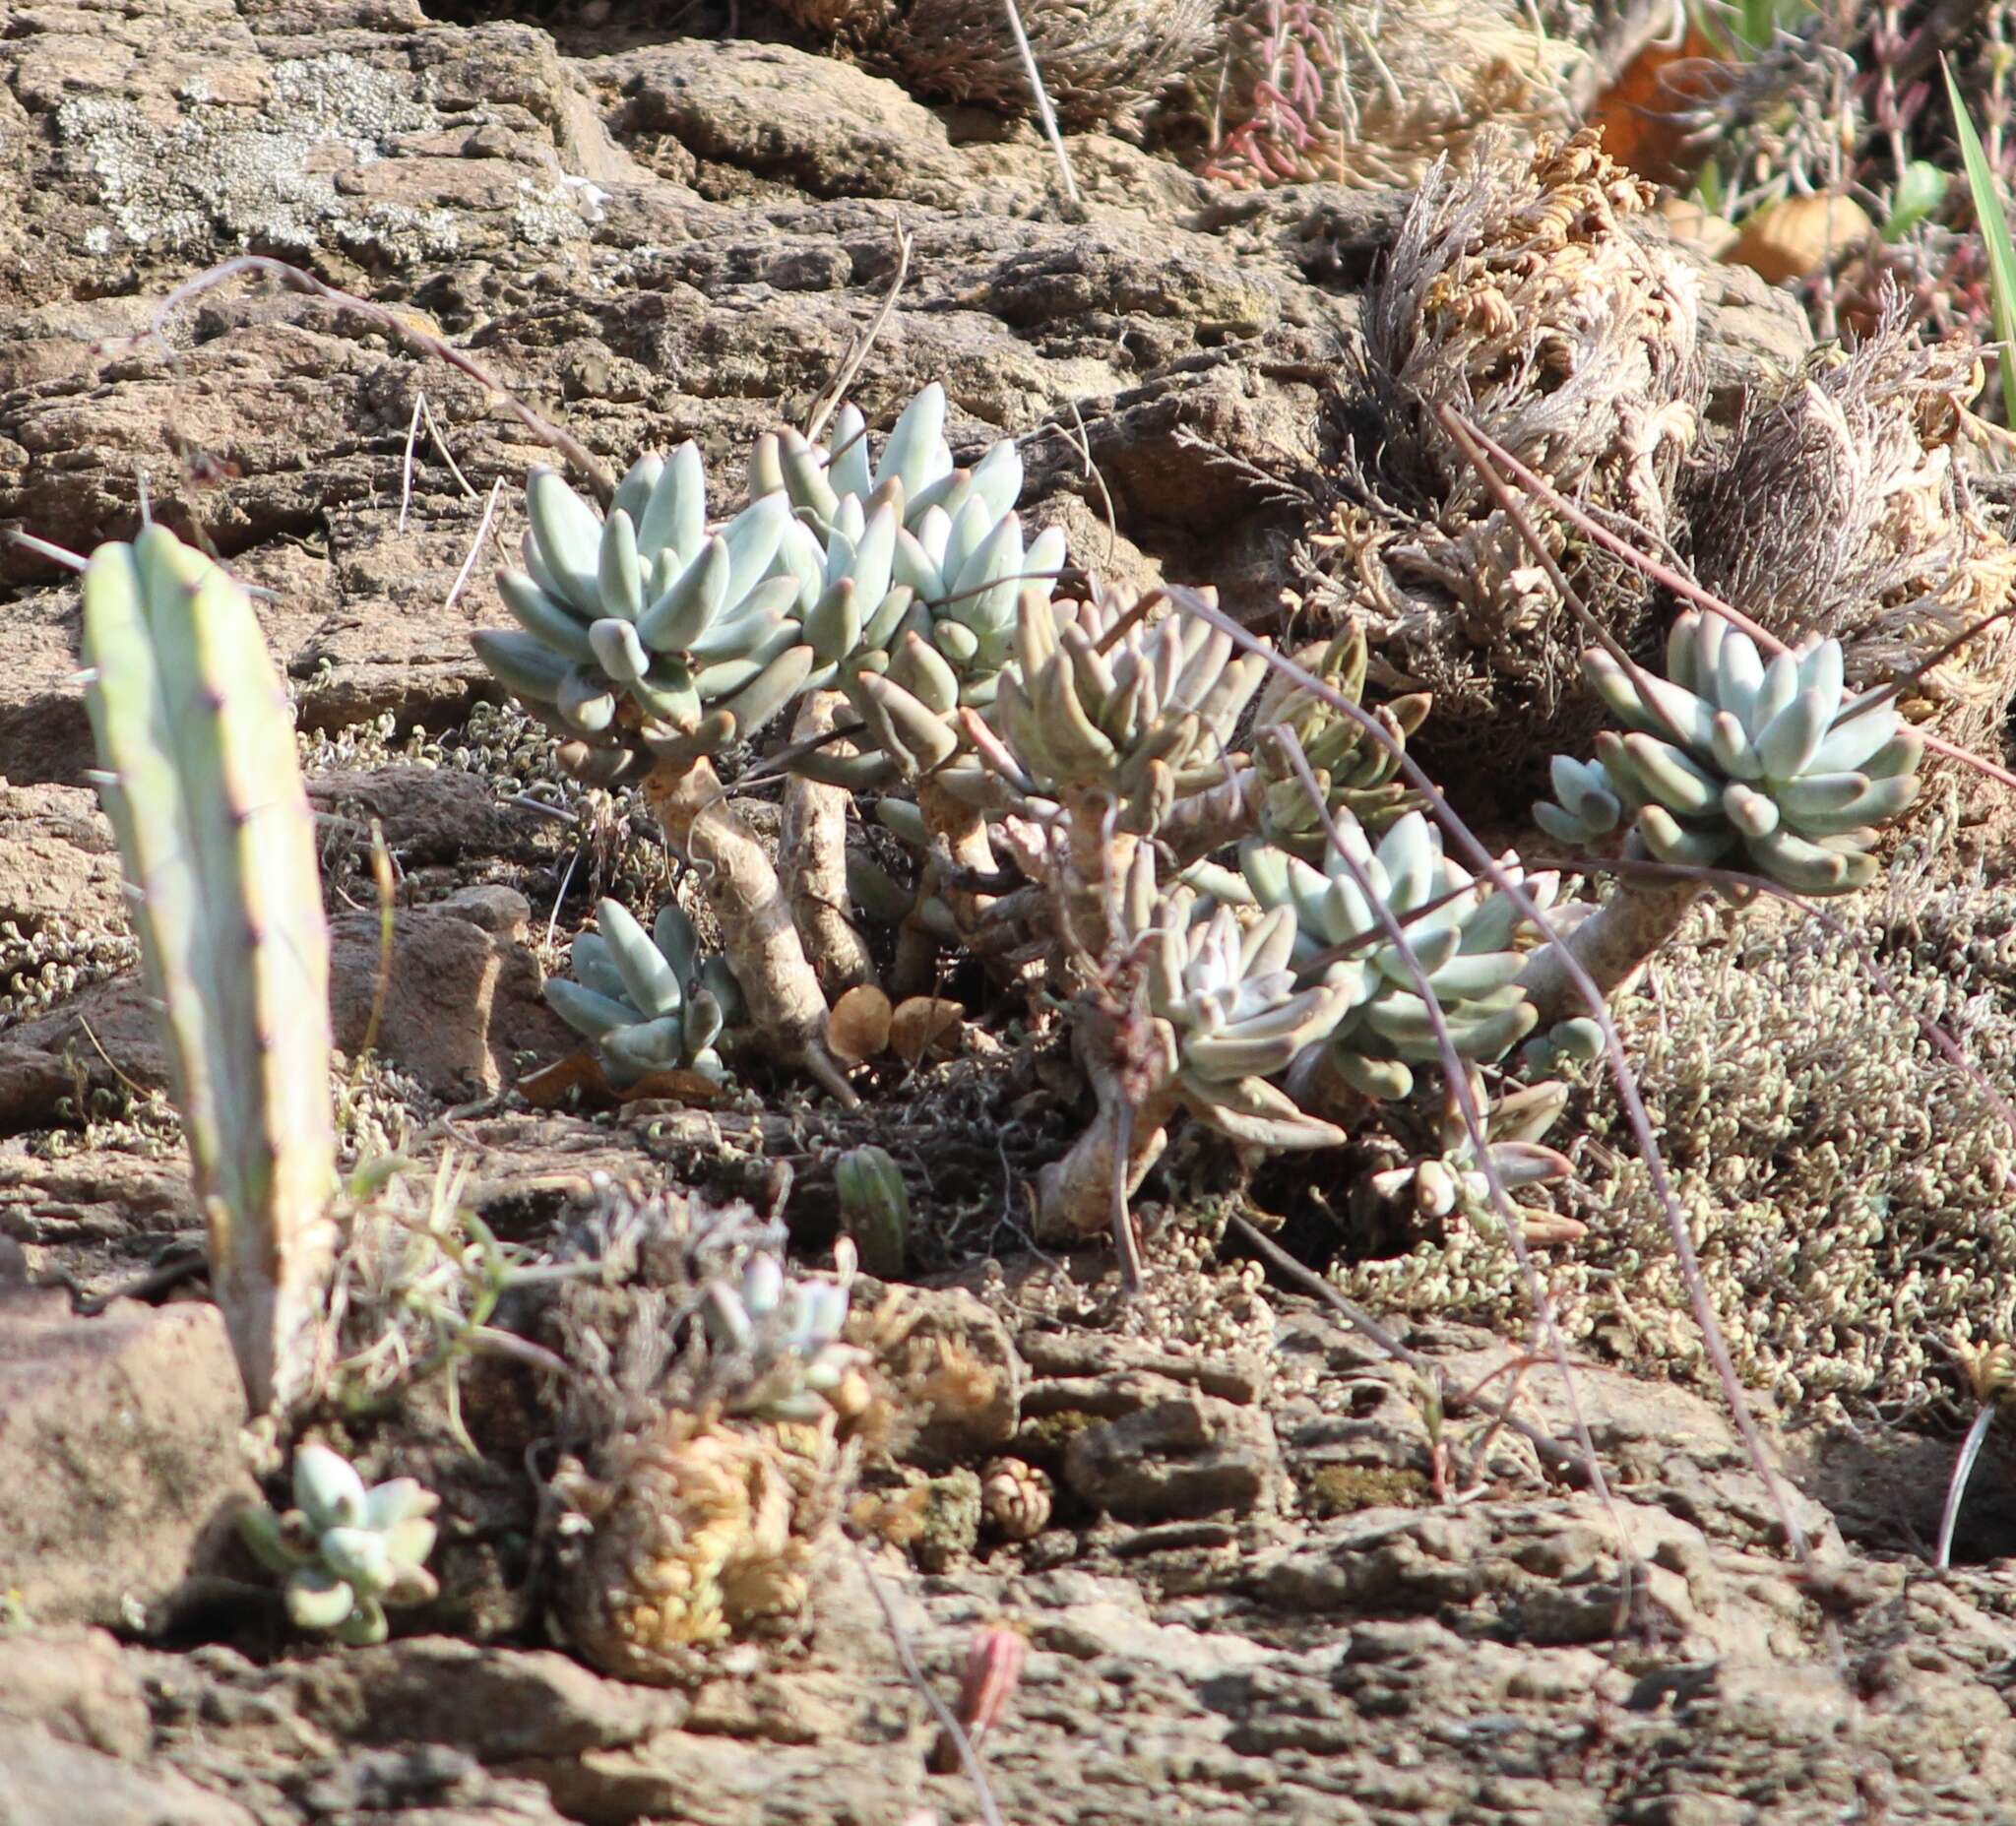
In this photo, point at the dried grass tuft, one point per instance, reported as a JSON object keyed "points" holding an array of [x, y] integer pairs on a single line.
{"points": [[1519, 292], [1371, 92], [1843, 506]]}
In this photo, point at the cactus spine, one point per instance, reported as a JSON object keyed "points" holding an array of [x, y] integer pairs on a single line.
{"points": [[200, 781]]}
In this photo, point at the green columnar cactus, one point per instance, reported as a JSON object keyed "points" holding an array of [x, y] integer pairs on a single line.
{"points": [[200, 782], [1223, 1017], [875, 1208], [648, 1000], [1731, 756], [346, 1552], [1460, 932], [1728, 761]]}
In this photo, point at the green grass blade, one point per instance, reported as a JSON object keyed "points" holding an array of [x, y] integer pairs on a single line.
{"points": [[1994, 219]]}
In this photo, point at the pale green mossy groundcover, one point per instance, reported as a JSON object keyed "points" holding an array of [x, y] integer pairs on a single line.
{"points": [[1148, 846]]}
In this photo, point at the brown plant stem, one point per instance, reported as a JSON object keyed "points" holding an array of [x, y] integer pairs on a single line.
{"points": [[1124, 1139], [812, 857], [1613, 945], [758, 938]]}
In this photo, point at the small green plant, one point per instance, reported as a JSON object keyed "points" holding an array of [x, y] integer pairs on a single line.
{"points": [[875, 1208], [1991, 215], [345, 1551]]}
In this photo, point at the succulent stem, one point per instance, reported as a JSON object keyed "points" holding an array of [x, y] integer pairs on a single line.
{"points": [[204, 793], [758, 938], [812, 857], [1075, 1195], [1614, 944]]}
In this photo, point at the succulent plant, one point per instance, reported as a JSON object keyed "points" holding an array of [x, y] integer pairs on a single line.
{"points": [[346, 1552], [1105, 701], [642, 627], [957, 541], [1732, 755], [1230, 998], [697, 1532], [1459, 931], [779, 1329], [648, 1000], [1354, 772], [204, 792], [1224, 1016], [1451, 1186]]}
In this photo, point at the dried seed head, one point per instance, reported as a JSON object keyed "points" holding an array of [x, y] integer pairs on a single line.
{"points": [[1016, 1497], [1521, 294], [1841, 508]]}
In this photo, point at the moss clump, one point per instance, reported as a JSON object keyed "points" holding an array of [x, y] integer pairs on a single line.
{"points": [[1345, 1489]]}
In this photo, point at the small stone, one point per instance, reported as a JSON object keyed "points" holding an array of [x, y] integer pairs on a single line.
{"points": [[1798, 236], [1181, 1456]]}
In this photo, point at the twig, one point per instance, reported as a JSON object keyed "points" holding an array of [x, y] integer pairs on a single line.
{"points": [[381, 988], [829, 397], [476, 545], [1045, 113], [1962, 1470], [1564, 1459], [948, 1722]]}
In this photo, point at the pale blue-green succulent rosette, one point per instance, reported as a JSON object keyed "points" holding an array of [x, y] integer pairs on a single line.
{"points": [[345, 1551], [649, 1001], [1459, 931], [1732, 760]]}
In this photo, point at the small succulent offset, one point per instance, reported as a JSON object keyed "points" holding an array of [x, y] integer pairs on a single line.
{"points": [[1460, 932], [1731, 754], [776, 1334], [648, 1000], [1353, 772], [643, 628], [344, 1550], [1228, 994], [1452, 1185]]}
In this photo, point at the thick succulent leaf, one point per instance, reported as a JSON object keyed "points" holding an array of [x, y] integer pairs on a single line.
{"points": [[569, 533], [650, 982]]}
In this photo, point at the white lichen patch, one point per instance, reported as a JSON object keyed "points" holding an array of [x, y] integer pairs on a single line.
{"points": [[258, 176]]}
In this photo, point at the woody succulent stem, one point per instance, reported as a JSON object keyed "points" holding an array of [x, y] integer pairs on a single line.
{"points": [[812, 857], [1126, 1135], [1614, 944], [758, 937]]}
